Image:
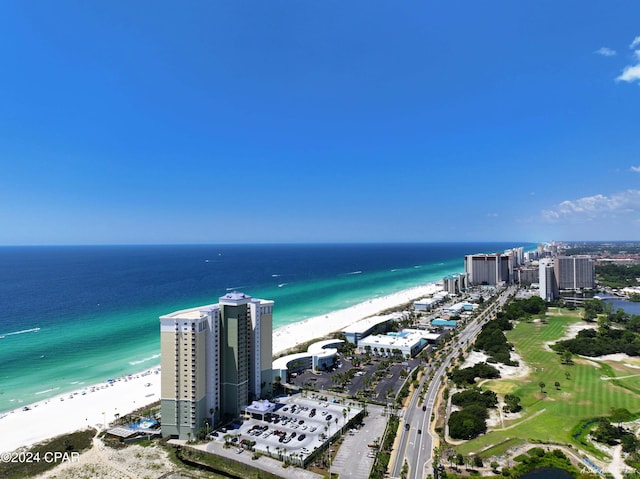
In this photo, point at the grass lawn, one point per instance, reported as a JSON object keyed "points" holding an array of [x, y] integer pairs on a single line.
{"points": [[551, 414]]}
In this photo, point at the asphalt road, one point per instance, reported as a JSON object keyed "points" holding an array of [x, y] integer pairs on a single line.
{"points": [[417, 449]]}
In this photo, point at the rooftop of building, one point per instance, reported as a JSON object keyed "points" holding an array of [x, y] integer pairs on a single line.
{"points": [[235, 298], [199, 311], [367, 323], [444, 322], [318, 349], [404, 338], [425, 301], [191, 313]]}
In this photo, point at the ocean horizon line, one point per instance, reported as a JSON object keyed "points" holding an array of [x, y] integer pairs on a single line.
{"points": [[98, 306], [283, 243]]}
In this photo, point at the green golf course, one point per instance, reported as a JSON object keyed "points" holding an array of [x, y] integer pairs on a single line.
{"points": [[573, 394]]}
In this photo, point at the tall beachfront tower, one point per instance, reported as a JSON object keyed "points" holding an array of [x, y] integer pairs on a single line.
{"points": [[488, 269], [547, 280], [216, 359], [575, 272]]}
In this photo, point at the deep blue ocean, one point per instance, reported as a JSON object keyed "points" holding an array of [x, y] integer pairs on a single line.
{"points": [[73, 315]]}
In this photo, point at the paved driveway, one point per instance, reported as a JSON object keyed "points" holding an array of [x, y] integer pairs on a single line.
{"points": [[352, 460]]}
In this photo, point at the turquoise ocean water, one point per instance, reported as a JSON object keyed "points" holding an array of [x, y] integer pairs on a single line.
{"points": [[74, 316]]}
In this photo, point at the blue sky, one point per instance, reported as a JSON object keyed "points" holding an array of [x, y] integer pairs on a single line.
{"points": [[300, 121]]}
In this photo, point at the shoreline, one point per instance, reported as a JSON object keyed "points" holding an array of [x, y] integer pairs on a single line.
{"points": [[92, 406], [96, 405], [292, 335]]}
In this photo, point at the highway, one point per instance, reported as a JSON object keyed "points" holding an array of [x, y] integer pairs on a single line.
{"points": [[417, 448]]}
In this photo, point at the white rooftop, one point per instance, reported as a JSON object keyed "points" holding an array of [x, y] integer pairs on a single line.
{"points": [[405, 338], [367, 323], [261, 406], [191, 313]]}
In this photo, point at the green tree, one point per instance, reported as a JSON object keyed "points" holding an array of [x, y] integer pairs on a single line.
{"points": [[542, 386], [629, 443], [620, 415], [278, 384], [512, 403], [606, 433]]}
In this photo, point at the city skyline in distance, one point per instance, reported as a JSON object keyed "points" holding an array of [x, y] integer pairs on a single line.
{"points": [[337, 122]]}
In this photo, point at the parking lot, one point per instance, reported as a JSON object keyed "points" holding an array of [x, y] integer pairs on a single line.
{"points": [[296, 428], [387, 385]]}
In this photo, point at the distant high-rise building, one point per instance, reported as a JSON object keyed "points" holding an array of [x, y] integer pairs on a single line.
{"points": [[575, 272], [454, 283], [531, 256], [517, 256], [547, 280], [528, 275], [215, 360], [488, 269]]}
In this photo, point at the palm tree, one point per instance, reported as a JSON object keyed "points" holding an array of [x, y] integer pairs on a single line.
{"points": [[278, 383]]}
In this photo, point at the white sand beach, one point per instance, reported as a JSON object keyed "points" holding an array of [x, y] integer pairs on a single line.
{"points": [[73, 411], [287, 337], [99, 404]]}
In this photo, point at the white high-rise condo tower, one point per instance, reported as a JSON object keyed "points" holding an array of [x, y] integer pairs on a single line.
{"points": [[216, 359]]}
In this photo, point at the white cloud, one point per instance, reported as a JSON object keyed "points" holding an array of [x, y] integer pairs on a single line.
{"points": [[492, 215], [636, 169], [631, 73], [597, 206], [606, 52]]}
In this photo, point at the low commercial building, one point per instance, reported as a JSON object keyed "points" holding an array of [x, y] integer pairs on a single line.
{"points": [[319, 356], [458, 308], [441, 296], [425, 304], [376, 324], [407, 343], [259, 409], [444, 324]]}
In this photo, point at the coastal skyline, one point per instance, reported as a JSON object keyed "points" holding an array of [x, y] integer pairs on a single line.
{"points": [[333, 122]]}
